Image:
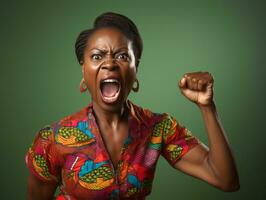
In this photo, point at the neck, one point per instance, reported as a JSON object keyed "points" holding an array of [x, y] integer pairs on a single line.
{"points": [[110, 118]]}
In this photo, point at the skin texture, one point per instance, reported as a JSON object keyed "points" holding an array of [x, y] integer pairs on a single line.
{"points": [[38, 190], [99, 63], [109, 54], [214, 165]]}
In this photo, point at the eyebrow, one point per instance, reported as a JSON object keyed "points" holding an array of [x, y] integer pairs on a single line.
{"points": [[104, 50]]}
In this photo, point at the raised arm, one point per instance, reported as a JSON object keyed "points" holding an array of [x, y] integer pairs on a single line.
{"points": [[215, 164]]}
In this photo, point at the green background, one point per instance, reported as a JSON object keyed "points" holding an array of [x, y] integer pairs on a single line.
{"points": [[40, 79]]}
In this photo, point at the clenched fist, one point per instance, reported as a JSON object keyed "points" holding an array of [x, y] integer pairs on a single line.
{"points": [[197, 87]]}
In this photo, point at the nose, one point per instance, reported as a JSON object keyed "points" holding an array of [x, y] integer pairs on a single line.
{"points": [[109, 63]]}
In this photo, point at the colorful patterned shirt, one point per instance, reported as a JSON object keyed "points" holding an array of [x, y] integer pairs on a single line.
{"points": [[71, 153]]}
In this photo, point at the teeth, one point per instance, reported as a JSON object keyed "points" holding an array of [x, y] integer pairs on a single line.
{"points": [[115, 97], [110, 81]]}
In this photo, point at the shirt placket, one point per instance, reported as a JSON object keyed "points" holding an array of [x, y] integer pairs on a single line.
{"points": [[102, 145]]}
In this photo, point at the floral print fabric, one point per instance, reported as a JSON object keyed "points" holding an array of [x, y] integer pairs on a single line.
{"points": [[71, 152]]}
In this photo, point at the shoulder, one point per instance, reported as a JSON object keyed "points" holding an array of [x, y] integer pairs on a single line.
{"points": [[150, 117], [74, 118], [71, 130]]}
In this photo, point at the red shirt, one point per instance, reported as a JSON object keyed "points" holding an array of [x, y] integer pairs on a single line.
{"points": [[72, 153]]}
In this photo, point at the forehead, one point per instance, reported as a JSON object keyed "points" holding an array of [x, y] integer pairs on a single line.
{"points": [[107, 38]]}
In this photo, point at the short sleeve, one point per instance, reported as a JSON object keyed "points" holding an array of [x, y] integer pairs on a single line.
{"points": [[41, 158], [177, 139]]}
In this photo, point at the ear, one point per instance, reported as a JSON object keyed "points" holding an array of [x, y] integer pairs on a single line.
{"points": [[82, 68], [137, 65]]}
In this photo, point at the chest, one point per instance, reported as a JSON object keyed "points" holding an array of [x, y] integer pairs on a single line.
{"points": [[115, 164], [113, 142]]}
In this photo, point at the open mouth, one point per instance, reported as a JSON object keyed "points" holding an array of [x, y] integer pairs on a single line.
{"points": [[110, 89]]}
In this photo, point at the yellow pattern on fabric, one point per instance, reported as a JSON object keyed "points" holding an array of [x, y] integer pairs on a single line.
{"points": [[97, 179], [175, 151], [46, 132], [166, 127], [98, 185], [40, 165], [72, 136]]}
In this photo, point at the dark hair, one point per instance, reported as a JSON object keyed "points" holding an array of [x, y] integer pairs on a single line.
{"points": [[110, 19]]}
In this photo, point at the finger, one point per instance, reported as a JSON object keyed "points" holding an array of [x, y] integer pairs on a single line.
{"points": [[211, 80], [206, 84], [182, 82], [209, 86], [189, 83], [208, 77], [200, 85], [195, 83], [192, 83], [199, 80], [195, 77]]}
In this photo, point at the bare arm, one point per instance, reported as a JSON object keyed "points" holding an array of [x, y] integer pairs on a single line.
{"points": [[39, 190], [215, 164]]}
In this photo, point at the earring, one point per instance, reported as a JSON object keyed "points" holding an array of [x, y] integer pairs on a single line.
{"points": [[136, 87], [82, 86]]}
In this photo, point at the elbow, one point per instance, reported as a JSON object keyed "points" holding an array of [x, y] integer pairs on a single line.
{"points": [[230, 187]]}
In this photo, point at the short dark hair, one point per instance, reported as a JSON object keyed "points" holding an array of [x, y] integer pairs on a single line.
{"points": [[110, 19]]}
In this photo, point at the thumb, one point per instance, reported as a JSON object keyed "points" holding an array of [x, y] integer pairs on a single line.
{"points": [[209, 87]]}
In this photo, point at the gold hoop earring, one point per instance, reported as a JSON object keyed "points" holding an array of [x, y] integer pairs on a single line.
{"points": [[136, 87], [82, 86]]}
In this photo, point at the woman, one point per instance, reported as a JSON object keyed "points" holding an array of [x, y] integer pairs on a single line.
{"points": [[109, 149]]}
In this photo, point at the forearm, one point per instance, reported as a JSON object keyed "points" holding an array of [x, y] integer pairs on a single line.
{"points": [[220, 158]]}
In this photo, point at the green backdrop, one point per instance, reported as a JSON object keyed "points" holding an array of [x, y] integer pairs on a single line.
{"points": [[40, 79]]}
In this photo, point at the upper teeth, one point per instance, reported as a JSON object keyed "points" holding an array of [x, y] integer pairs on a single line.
{"points": [[110, 81]]}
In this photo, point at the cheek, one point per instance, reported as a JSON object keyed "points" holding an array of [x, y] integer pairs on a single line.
{"points": [[131, 76], [90, 74]]}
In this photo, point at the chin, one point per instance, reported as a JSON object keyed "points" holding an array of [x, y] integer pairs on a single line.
{"points": [[110, 106]]}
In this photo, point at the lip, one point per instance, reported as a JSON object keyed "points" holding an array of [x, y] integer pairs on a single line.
{"points": [[116, 77], [115, 98]]}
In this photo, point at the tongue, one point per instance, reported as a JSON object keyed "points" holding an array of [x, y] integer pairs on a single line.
{"points": [[109, 89]]}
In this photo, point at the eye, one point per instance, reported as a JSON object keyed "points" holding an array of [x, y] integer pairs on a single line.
{"points": [[96, 57], [123, 57]]}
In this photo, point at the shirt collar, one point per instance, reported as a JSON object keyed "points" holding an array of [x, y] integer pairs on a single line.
{"points": [[134, 111], [136, 116]]}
